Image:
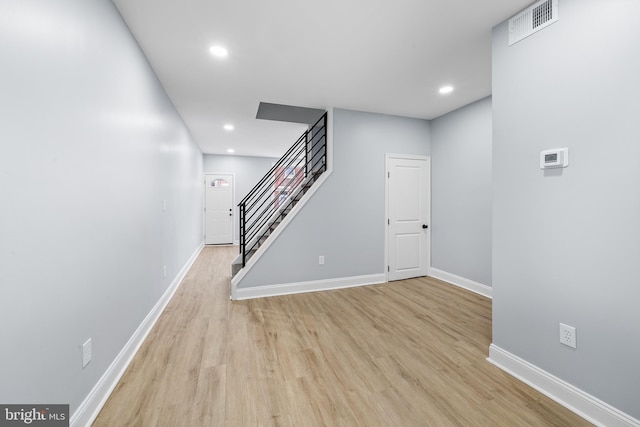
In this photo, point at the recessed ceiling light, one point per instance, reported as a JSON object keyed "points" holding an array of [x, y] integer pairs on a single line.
{"points": [[218, 51], [229, 127], [446, 89], [231, 150]]}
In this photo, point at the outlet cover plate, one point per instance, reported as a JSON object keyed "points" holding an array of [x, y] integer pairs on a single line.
{"points": [[86, 353], [568, 335]]}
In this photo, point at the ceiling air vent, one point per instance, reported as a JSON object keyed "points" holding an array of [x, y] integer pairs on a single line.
{"points": [[532, 19]]}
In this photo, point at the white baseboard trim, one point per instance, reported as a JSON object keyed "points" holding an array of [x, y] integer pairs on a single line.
{"points": [[89, 409], [587, 406], [311, 286], [462, 282]]}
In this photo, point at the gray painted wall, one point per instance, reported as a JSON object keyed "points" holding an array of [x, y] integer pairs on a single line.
{"points": [[91, 145], [345, 220], [461, 192], [248, 172], [566, 244]]}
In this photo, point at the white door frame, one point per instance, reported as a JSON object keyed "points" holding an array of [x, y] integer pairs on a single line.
{"points": [[234, 216], [387, 157]]}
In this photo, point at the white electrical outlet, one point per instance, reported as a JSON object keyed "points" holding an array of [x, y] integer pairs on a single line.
{"points": [[86, 353], [321, 260], [164, 205], [568, 335], [164, 271]]}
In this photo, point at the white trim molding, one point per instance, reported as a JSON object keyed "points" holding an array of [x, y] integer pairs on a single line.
{"points": [[89, 409], [462, 282], [311, 286], [587, 406]]}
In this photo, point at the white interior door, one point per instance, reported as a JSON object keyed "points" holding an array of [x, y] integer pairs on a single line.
{"points": [[218, 209], [408, 208]]}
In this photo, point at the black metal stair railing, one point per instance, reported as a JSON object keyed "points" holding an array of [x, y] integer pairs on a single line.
{"points": [[266, 205]]}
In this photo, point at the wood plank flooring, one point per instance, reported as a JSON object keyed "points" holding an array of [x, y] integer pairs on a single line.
{"points": [[408, 353]]}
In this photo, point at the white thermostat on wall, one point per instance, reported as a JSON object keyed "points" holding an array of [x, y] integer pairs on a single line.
{"points": [[556, 158]]}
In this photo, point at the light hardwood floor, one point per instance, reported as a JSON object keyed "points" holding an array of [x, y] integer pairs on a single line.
{"points": [[408, 353]]}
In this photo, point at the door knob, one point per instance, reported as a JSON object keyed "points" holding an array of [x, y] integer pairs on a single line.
{"points": [[425, 226]]}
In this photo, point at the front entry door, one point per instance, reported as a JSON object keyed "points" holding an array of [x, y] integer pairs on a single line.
{"points": [[408, 207], [219, 209]]}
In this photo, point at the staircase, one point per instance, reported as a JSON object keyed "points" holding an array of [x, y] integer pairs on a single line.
{"points": [[265, 207]]}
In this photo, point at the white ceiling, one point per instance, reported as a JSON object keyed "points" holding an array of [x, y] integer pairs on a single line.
{"points": [[370, 55]]}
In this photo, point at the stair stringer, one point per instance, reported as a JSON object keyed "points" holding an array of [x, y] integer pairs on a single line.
{"points": [[274, 235]]}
